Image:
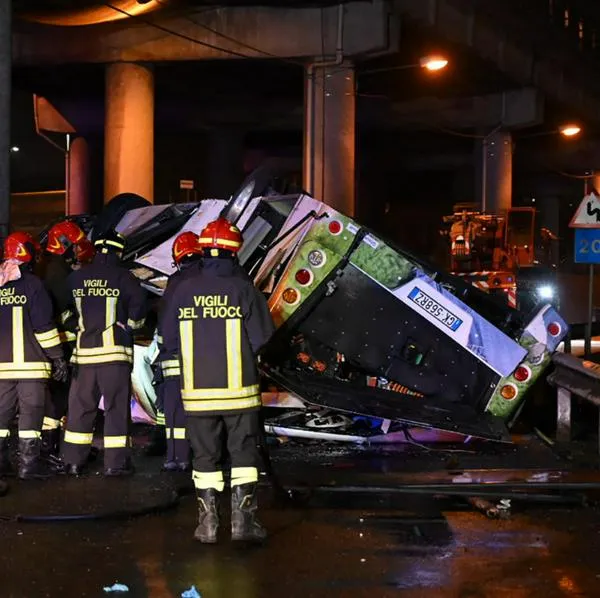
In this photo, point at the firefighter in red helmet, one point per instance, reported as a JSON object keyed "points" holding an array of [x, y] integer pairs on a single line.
{"points": [[214, 323], [83, 253], [30, 354], [187, 253], [63, 239]]}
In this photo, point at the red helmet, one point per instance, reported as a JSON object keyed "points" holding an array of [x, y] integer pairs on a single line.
{"points": [[221, 234], [84, 251], [20, 246], [185, 245], [62, 236]]}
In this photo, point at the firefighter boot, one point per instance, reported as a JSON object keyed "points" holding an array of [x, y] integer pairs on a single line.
{"points": [[31, 465], [6, 467], [208, 515], [50, 443], [245, 527]]}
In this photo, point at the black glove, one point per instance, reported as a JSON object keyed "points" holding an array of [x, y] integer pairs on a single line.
{"points": [[157, 377], [60, 370]]}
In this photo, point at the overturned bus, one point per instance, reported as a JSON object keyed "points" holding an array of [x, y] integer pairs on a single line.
{"points": [[371, 341]]}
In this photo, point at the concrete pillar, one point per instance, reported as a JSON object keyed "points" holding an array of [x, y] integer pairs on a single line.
{"points": [[129, 131], [78, 182], [5, 114], [225, 171], [494, 176], [329, 136]]}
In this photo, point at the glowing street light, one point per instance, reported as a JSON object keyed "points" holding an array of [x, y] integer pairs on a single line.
{"points": [[14, 149], [569, 130], [429, 63], [433, 63]]}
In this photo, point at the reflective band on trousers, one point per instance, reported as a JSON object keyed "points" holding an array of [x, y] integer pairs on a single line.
{"points": [[27, 434], [4, 433], [78, 437], [243, 475], [176, 433], [114, 442], [204, 480], [50, 423]]}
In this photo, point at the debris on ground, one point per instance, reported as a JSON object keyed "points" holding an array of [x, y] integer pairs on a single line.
{"points": [[117, 587], [191, 593]]}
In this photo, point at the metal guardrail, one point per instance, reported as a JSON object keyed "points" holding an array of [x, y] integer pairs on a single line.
{"points": [[573, 376]]}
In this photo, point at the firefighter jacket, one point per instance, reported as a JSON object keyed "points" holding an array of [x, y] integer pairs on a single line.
{"points": [[55, 280], [29, 339], [215, 321], [169, 366], [107, 304]]}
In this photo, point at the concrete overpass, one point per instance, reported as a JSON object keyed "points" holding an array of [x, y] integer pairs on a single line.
{"points": [[517, 70]]}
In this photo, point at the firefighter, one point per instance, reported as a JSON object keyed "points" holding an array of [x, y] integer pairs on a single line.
{"points": [[83, 254], [108, 305], [63, 239], [214, 322], [30, 354], [186, 253]]}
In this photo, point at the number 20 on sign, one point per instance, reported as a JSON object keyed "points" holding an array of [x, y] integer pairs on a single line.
{"points": [[587, 245]]}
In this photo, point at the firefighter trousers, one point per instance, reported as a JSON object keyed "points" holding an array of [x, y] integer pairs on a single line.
{"points": [[28, 397], [206, 434], [178, 446], [58, 399], [113, 382]]}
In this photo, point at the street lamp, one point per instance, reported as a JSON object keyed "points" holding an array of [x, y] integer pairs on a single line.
{"points": [[429, 63], [433, 63], [14, 149], [569, 130]]}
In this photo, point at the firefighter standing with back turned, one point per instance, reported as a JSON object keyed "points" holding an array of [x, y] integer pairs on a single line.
{"points": [[186, 254], [63, 239], [108, 304], [30, 353], [215, 322]]}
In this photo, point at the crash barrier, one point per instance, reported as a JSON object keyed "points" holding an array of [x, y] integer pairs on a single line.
{"points": [[577, 331], [573, 376]]}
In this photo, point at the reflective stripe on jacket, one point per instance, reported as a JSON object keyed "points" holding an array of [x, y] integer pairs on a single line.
{"points": [[213, 324], [108, 304], [29, 339]]}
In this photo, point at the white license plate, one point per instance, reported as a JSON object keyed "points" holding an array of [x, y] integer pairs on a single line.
{"points": [[433, 308]]}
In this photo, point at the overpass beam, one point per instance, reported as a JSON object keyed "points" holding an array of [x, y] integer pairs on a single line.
{"points": [[129, 131], [330, 135]]}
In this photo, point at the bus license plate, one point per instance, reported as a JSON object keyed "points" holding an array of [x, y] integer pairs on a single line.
{"points": [[432, 307]]}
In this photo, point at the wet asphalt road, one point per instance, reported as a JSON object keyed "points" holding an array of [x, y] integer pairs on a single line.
{"points": [[339, 545], [313, 552]]}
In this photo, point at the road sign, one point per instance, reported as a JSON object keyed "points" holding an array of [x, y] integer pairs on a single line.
{"points": [[587, 214], [587, 246], [186, 184]]}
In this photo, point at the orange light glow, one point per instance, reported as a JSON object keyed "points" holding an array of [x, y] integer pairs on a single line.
{"points": [[434, 63], [123, 9], [570, 130]]}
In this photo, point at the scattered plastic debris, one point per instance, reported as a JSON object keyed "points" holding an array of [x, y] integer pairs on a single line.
{"points": [[191, 593], [117, 587]]}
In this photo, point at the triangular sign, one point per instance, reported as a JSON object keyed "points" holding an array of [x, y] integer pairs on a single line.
{"points": [[588, 213]]}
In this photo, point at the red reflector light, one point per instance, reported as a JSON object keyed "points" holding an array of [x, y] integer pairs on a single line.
{"points": [[303, 277], [509, 392], [335, 227], [522, 373], [291, 296], [554, 328]]}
